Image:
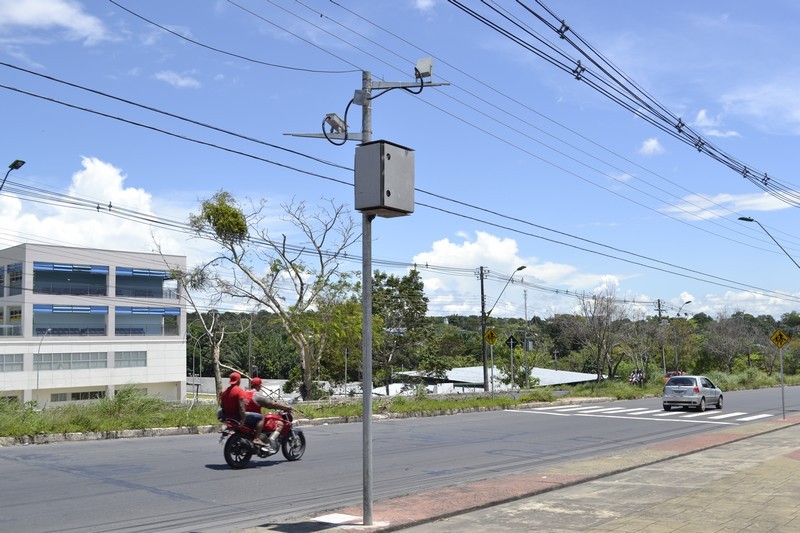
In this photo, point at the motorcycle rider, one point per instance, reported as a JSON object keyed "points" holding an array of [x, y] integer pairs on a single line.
{"points": [[233, 401], [256, 399]]}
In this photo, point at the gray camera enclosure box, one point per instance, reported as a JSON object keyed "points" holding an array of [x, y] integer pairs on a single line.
{"points": [[384, 179]]}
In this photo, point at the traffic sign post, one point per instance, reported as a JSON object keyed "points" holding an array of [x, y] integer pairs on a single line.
{"points": [[512, 343], [779, 338]]}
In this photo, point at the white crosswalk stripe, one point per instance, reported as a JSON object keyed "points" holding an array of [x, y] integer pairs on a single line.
{"points": [[727, 415], [754, 417], [644, 412]]}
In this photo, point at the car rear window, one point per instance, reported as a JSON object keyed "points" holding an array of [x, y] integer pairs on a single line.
{"points": [[681, 382]]}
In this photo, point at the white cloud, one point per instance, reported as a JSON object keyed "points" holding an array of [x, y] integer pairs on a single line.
{"points": [[177, 80], [724, 205], [424, 5], [774, 107], [651, 147], [450, 294], [48, 14], [709, 126], [101, 182]]}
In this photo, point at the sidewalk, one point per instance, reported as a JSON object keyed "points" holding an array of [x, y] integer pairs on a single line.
{"points": [[742, 478]]}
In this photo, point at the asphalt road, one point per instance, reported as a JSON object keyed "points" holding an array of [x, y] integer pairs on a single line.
{"points": [[182, 483]]}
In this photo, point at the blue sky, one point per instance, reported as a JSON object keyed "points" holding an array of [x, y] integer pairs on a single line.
{"points": [[517, 161]]}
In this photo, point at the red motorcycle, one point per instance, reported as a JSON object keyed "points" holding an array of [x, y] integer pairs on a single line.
{"points": [[239, 447]]}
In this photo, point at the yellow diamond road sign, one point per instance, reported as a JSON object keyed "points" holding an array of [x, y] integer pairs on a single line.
{"points": [[491, 336], [779, 338]]}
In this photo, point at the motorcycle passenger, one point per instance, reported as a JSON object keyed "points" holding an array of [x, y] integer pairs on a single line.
{"points": [[256, 399], [233, 400]]}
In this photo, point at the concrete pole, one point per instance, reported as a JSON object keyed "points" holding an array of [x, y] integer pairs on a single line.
{"points": [[483, 334]]}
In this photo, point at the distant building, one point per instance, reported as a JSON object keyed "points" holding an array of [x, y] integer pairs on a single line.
{"points": [[78, 323]]}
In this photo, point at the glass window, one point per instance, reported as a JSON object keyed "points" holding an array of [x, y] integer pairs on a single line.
{"points": [[11, 362], [15, 279], [130, 359], [58, 397], [88, 395], [70, 361]]}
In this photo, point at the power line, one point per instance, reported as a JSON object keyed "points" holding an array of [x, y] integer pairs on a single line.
{"points": [[231, 54]]}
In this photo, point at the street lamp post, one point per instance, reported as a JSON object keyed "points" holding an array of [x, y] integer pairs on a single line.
{"points": [[484, 318], [39, 366], [15, 165], [780, 349]]}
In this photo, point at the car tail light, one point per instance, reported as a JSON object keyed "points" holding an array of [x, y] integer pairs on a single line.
{"points": [[696, 388]]}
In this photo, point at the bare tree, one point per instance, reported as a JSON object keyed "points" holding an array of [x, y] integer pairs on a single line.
{"points": [[603, 319], [639, 341], [289, 280], [729, 337]]}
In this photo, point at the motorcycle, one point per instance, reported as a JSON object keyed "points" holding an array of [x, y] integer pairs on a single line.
{"points": [[239, 447]]}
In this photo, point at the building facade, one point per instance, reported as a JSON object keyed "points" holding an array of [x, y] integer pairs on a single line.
{"points": [[78, 323]]}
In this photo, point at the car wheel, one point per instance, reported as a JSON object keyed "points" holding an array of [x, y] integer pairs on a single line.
{"points": [[719, 402], [702, 406], [667, 407]]}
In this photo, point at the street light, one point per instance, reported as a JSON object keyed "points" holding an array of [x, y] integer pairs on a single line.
{"points": [[484, 317], [780, 349], [16, 165], [675, 330], [39, 366], [748, 219]]}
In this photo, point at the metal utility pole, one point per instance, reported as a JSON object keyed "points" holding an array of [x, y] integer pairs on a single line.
{"points": [[366, 314], [399, 204]]}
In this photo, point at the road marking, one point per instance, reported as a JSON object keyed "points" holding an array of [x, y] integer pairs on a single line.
{"points": [[623, 417], [701, 413], [600, 411], [727, 415], [754, 417]]}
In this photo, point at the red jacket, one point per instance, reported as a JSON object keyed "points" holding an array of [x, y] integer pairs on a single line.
{"points": [[229, 401]]}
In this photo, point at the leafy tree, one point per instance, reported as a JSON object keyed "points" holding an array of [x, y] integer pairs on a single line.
{"points": [[401, 305], [288, 280]]}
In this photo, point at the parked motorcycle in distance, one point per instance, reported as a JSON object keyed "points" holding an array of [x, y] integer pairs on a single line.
{"points": [[239, 447]]}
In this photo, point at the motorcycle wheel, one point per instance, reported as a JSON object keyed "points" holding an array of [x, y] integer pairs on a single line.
{"points": [[294, 446], [237, 451]]}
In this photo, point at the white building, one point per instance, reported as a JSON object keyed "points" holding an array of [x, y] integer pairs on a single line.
{"points": [[77, 323]]}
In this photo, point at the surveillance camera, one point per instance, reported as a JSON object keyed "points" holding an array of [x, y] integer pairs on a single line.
{"points": [[336, 123], [424, 68]]}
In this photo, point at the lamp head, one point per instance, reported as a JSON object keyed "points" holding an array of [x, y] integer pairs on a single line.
{"points": [[16, 165], [747, 219], [523, 267]]}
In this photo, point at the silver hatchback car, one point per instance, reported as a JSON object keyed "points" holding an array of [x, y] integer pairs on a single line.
{"points": [[691, 391]]}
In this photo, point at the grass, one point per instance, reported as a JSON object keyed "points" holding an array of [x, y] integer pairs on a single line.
{"points": [[129, 409]]}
